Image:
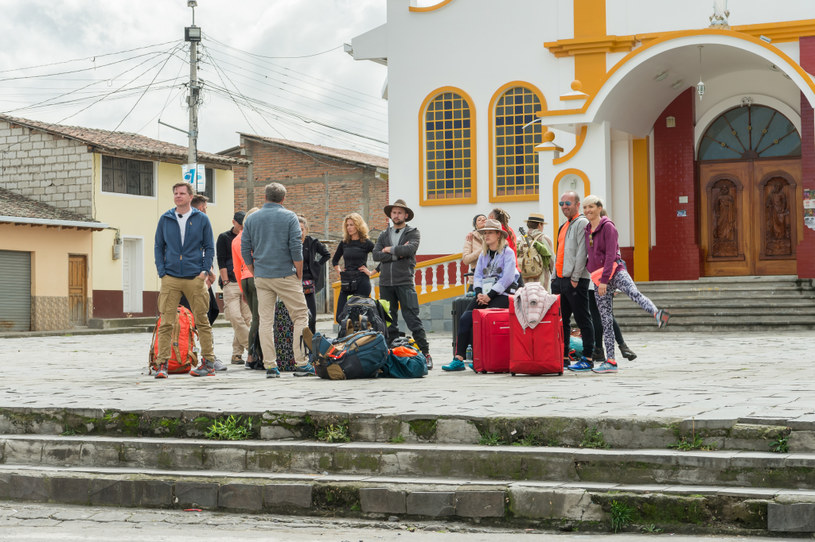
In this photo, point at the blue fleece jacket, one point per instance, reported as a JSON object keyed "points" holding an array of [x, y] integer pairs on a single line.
{"points": [[197, 253]]}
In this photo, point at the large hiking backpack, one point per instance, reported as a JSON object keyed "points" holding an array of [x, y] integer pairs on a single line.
{"points": [[359, 355], [361, 314], [183, 351], [530, 262]]}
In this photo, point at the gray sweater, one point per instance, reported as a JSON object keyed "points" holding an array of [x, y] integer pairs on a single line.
{"points": [[271, 241], [574, 253], [398, 267]]}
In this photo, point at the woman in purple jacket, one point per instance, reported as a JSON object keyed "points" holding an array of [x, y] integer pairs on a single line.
{"points": [[608, 273], [495, 279]]}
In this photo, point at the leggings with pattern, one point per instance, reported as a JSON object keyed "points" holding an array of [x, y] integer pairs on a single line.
{"points": [[620, 281]]}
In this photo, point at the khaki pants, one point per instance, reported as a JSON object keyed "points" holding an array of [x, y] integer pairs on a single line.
{"points": [[290, 291], [239, 315], [195, 290]]}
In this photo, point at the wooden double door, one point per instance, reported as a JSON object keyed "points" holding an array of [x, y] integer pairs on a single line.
{"points": [[748, 213]]}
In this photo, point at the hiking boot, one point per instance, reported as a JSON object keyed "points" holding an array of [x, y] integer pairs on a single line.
{"points": [[206, 368], [627, 352], [272, 372], [455, 365], [429, 361], [662, 317], [581, 366], [304, 370], [599, 355], [237, 360], [161, 372], [219, 367], [609, 366]]}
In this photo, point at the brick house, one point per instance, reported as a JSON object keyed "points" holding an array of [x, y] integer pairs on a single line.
{"points": [[118, 179]]}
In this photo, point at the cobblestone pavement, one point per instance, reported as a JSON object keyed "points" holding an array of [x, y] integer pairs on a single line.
{"points": [[701, 375], [48, 522]]}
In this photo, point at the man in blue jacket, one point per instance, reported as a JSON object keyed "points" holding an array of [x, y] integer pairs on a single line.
{"points": [[184, 250]]}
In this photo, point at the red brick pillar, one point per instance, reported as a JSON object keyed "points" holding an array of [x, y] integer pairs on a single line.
{"points": [[675, 255], [806, 246]]}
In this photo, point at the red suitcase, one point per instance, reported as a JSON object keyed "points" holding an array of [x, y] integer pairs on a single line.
{"points": [[538, 350], [491, 340]]}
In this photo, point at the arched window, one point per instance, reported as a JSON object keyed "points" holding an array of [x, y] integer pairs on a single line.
{"points": [[514, 134], [750, 133], [448, 148]]}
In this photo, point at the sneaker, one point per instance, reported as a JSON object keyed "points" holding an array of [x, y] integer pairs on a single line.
{"points": [[272, 372], [471, 365], [219, 367], [581, 366], [162, 371], [662, 317], [606, 367], [304, 370], [206, 368], [237, 360], [455, 365], [429, 361]]}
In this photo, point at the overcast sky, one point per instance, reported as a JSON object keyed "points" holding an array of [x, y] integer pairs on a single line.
{"points": [[122, 65]]}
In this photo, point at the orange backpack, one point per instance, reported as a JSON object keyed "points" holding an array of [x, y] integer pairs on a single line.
{"points": [[183, 352]]}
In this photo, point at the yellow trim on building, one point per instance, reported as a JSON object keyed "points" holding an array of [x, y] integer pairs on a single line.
{"points": [[578, 143], [491, 112], [423, 201], [416, 9], [587, 46], [641, 190]]}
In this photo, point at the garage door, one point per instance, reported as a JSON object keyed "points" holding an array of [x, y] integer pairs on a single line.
{"points": [[15, 291]]}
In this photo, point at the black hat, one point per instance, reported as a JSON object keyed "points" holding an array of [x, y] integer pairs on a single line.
{"points": [[239, 217]]}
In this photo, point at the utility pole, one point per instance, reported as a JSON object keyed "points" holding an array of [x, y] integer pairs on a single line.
{"points": [[192, 34]]}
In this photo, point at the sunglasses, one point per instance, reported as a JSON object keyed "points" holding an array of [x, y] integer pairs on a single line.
{"points": [[566, 203]]}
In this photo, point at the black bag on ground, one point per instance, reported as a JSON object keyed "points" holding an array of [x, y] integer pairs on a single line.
{"points": [[361, 314], [360, 355]]}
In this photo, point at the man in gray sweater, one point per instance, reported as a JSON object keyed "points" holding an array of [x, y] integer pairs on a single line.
{"points": [[396, 251], [571, 280], [272, 249]]}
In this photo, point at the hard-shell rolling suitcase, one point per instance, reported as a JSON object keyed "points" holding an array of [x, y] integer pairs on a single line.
{"points": [[538, 350], [491, 340], [460, 306]]}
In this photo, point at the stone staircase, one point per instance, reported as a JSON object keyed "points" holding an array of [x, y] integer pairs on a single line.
{"points": [[559, 473], [724, 304]]}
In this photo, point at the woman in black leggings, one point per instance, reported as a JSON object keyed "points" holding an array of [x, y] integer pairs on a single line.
{"points": [[354, 250]]}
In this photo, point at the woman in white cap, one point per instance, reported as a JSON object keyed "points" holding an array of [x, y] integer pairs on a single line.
{"points": [[495, 279]]}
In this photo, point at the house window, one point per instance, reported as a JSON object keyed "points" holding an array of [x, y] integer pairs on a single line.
{"points": [[449, 147], [209, 190], [125, 176], [514, 175]]}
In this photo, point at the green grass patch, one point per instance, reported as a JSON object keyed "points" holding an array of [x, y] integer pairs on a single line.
{"points": [[231, 428], [621, 515], [593, 438], [333, 433]]}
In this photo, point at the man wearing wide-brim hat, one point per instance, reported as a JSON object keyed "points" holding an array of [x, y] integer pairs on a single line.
{"points": [[395, 249], [543, 245]]}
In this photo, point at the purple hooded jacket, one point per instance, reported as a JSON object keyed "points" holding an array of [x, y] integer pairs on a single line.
{"points": [[602, 248]]}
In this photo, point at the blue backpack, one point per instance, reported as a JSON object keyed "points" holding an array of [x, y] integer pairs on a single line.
{"points": [[405, 362], [360, 355]]}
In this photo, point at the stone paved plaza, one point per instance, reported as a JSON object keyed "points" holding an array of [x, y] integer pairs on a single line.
{"points": [[677, 375]]}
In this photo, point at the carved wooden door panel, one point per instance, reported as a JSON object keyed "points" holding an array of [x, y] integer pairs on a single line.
{"points": [[748, 217], [778, 191], [725, 225]]}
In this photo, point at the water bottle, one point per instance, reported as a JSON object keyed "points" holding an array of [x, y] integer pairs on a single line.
{"points": [[469, 354]]}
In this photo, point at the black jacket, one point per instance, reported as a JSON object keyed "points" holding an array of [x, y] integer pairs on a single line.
{"points": [[397, 268], [315, 265]]}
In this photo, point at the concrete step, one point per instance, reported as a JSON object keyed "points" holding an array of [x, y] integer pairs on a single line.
{"points": [[566, 506], [720, 433], [472, 462]]}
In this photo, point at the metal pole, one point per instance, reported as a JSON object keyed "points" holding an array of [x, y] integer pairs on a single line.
{"points": [[192, 101]]}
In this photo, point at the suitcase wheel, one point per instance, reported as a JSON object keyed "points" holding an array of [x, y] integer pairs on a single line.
{"points": [[560, 373], [513, 374]]}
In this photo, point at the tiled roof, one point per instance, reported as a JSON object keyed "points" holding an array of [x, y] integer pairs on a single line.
{"points": [[343, 154], [118, 142], [20, 209]]}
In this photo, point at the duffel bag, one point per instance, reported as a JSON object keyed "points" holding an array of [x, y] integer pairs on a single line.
{"points": [[405, 362], [360, 355]]}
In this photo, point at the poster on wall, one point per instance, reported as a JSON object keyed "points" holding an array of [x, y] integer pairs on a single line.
{"points": [[809, 208]]}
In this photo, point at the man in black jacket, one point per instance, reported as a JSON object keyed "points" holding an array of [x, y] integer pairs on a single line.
{"points": [[235, 308], [396, 251]]}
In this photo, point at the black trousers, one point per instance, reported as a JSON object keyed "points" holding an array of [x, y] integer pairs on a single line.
{"points": [[465, 323], [405, 296], [575, 301]]}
